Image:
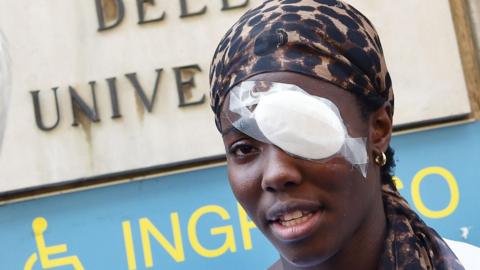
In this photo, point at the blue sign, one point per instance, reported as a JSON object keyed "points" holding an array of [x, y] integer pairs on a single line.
{"points": [[192, 221], [439, 172]]}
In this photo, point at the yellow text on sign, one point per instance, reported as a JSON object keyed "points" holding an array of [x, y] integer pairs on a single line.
{"points": [[176, 249], [417, 197]]}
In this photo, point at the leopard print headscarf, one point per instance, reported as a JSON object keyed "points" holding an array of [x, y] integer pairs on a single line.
{"points": [[332, 41], [325, 39], [410, 243]]}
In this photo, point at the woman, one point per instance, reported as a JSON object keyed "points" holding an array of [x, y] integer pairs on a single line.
{"points": [[304, 102]]}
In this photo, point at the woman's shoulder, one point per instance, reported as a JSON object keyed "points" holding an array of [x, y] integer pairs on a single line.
{"points": [[467, 254]]}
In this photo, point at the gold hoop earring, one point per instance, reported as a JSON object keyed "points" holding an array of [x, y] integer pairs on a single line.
{"points": [[381, 160]]}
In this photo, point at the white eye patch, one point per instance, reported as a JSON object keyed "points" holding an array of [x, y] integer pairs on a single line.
{"points": [[303, 125], [299, 124]]}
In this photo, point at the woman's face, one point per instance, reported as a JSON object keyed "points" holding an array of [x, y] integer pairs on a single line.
{"points": [[310, 211]]}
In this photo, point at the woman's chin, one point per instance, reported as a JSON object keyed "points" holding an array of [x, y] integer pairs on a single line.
{"points": [[305, 260], [307, 254]]}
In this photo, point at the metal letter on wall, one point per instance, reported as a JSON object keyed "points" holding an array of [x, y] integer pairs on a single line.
{"points": [[38, 111], [112, 88], [184, 10], [227, 6], [111, 10], [181, 84], [79, 105], [132, 77], [141, 12]]}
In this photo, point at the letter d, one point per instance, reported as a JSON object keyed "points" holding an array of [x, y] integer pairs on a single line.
{"points": [[119, 10]]}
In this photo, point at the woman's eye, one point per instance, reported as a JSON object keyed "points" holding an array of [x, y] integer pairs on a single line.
{"points": [[242, 149]]}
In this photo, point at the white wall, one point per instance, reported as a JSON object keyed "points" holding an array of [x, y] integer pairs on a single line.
{"points": [[55, 43]]}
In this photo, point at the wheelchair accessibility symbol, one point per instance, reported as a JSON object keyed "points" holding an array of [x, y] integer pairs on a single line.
{"points": [[44, 252]]}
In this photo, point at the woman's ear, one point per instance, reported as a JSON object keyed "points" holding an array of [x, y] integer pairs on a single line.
{"points": [[380, 128]]}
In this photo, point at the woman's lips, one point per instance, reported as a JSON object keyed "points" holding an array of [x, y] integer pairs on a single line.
{"points": [[297, 228], [294, 220]]}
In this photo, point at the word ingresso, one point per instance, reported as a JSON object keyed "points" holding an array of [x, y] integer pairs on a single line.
{"points": [[148, 231]]}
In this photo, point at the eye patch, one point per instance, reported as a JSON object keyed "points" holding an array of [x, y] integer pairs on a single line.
{"points": [[303, 125]]}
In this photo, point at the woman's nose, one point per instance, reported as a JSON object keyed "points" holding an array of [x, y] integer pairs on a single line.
{"points": [[280, 171]]}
